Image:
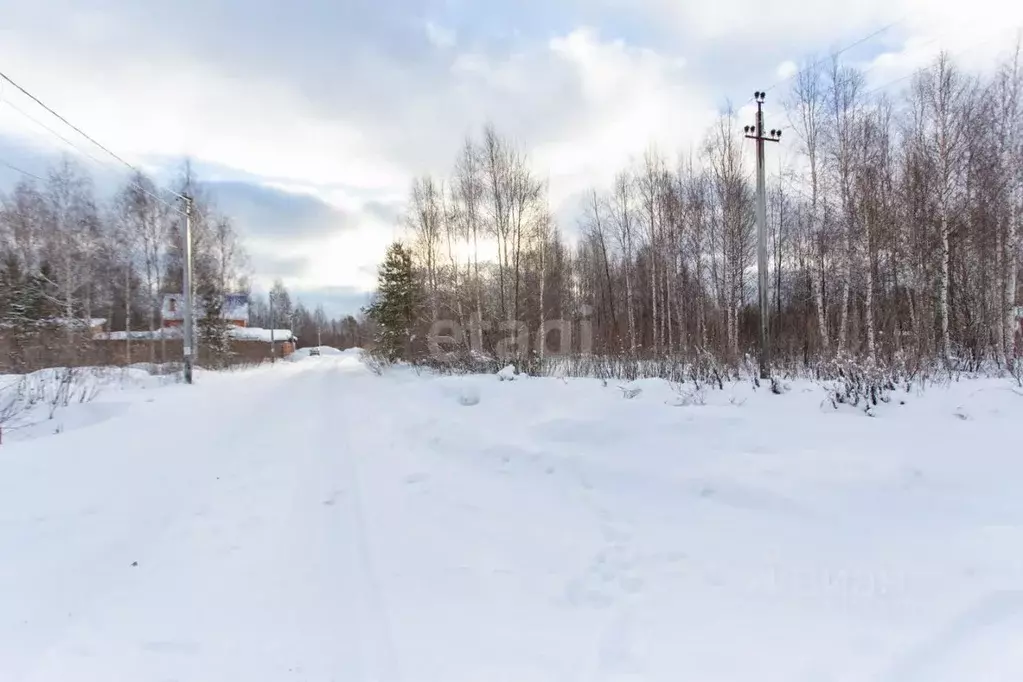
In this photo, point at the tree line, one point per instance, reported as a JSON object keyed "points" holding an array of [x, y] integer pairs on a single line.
{"points": [[68, 256], [894, 233], [312, 327]]}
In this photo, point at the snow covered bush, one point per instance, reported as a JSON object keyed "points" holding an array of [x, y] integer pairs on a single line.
{"points": [[859, 384], [777, 387], [462, 362], [508, 373]]}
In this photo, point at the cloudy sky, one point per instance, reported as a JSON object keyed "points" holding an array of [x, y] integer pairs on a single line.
{"points": [[310, 117]]}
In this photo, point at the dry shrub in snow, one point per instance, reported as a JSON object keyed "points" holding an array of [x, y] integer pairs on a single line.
{"points": [[630, 392], [12, 399], [462, 362], [374, 363], [37, 396], [689, 394], [860, 384], [52, 388]]}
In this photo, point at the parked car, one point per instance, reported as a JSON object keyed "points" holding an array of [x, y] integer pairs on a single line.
{"points": [[314, 351]]}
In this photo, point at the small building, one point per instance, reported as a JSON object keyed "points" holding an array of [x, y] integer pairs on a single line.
{"points": [[282, 340], [235, 310]]}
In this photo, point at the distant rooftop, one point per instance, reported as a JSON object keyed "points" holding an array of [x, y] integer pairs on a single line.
{"points": [[236, 307]]}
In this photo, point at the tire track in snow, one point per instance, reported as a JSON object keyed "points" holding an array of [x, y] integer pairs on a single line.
{"points": [[379, 636], [617, 589]]}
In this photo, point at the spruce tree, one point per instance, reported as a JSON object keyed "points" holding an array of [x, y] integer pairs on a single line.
{"points": [[19, 310], [12, 292], [397, 305], [213, 330]]}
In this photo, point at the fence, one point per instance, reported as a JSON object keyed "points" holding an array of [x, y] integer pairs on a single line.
{"points": [[56, 349]]}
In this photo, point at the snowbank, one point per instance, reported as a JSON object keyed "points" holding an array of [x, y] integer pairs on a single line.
{"points": [[55, 400]]}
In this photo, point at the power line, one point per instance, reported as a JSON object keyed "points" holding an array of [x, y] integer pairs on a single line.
{"points": [[834, 54], [131, 183], [23, 172], [50, 130], [917, 69], [958, 53], [875, 65], [78, 130]]}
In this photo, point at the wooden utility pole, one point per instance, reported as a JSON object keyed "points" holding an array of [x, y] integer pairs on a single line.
{"points": [[756, 132], [273, 323]]}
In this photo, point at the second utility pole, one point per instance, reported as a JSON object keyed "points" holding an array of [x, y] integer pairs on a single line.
{"points": [[756, 132], [188, 335]]}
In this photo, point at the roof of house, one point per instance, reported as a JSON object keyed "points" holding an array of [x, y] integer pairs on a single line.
{"points": [[77, 322], [257, 334], [239, 333], [140, 335], [236, 307]]}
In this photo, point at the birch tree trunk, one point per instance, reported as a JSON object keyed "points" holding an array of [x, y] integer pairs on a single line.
{"points": [[623, 217], [127, 313], [868, 304], [1012, 258]]}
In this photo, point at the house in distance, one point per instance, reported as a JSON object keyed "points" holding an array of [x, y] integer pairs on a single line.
{"points": [[235, 310]]}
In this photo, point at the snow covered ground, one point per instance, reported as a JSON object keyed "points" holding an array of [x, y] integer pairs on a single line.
{"points": [[314, 521]]}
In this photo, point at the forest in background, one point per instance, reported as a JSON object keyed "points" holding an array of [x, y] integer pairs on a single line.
{"points": [[894, 234], [893, 237], [68, 256]]}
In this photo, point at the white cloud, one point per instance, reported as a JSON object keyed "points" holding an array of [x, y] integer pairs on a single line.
{"points": [[632, 97], [164, 107], [748, 20], [787, 69], [981, 29], [439, 36]]}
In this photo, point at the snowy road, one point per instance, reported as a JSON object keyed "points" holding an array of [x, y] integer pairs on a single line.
{"points": [[312, 521]]}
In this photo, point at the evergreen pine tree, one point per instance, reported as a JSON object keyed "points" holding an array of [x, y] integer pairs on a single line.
{"points": [[396, 307], [12, 295], [213, 331], [18, 310]]}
